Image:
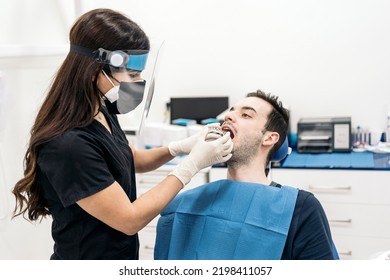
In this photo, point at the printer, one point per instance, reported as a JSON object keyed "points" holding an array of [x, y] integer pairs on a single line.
{"points": [[324, 135]]}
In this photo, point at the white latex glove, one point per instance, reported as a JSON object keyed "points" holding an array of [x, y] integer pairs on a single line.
{"points": [[185, 145], [202, 155]]}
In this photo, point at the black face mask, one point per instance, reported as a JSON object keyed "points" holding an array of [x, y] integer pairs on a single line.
{"points": [[130, 94]]}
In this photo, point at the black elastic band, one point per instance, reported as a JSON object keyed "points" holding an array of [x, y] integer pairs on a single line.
{"points": [[84, 51]]}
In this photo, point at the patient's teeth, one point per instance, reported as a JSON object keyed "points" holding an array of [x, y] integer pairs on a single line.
{"points": [[214, 133]]}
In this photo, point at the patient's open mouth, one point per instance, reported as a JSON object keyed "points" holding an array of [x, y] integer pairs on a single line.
{"points": [[226, 128]]}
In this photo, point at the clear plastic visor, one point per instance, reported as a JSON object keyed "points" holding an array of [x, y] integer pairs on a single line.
{"points": [[137, 117], [125, 75]]}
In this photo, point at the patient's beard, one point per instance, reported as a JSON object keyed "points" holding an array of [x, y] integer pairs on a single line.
{"points": [[244, 153]]}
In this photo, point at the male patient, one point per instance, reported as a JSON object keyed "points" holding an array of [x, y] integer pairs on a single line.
{"points": [[246, 216]]}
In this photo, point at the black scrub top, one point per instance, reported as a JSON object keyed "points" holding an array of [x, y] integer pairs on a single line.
{"points": [[78, 164]]}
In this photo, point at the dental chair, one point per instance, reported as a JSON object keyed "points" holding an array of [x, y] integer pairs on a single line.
{"points": [[279, 155]]}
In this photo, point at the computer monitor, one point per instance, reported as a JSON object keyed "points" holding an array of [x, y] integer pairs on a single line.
{"points": [[197, 108]]}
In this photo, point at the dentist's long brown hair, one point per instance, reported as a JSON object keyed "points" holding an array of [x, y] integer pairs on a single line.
{"points": [[73, 97]]}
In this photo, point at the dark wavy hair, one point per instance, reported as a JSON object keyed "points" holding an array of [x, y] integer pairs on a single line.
{"points": [[278, 119], [73, 96]]}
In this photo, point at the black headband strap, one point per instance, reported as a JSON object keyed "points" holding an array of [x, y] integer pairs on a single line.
{"points": [[84, 51]]}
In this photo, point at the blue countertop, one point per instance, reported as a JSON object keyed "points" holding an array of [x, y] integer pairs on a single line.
{"points": [[353, 160]]}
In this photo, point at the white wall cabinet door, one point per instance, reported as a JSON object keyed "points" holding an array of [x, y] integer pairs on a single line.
{"points": [[356, 202]]}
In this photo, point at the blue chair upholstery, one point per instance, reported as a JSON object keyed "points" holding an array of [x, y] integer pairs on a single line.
{"points": [[282, 152]]}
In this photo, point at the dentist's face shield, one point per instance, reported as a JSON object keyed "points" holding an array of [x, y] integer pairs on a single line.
{"points": [[125, 68], [123, 60], [133, 73]]}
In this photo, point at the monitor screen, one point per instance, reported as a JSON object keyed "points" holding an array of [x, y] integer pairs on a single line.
{"points": [[197, 108]]}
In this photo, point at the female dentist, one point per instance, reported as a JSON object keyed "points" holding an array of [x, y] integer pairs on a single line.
{"points": [[79, 167]]}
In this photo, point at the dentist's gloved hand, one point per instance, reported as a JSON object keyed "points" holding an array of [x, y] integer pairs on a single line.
{"points": [[185, 146], [203, 154]]}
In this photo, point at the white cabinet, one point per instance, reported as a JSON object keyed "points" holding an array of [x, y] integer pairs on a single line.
{"points": [[146, 181], [356, 202]]}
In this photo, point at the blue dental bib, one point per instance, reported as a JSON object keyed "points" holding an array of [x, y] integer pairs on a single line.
{"points": [[226, 220]]}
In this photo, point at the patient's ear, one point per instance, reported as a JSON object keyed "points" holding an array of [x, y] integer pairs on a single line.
{"points": [[270, 138]]}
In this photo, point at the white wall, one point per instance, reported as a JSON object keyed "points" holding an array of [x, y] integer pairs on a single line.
{"points": [[323, 58]]}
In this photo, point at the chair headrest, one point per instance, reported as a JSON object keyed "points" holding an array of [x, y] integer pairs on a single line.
{"points": [[282, 152]]}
